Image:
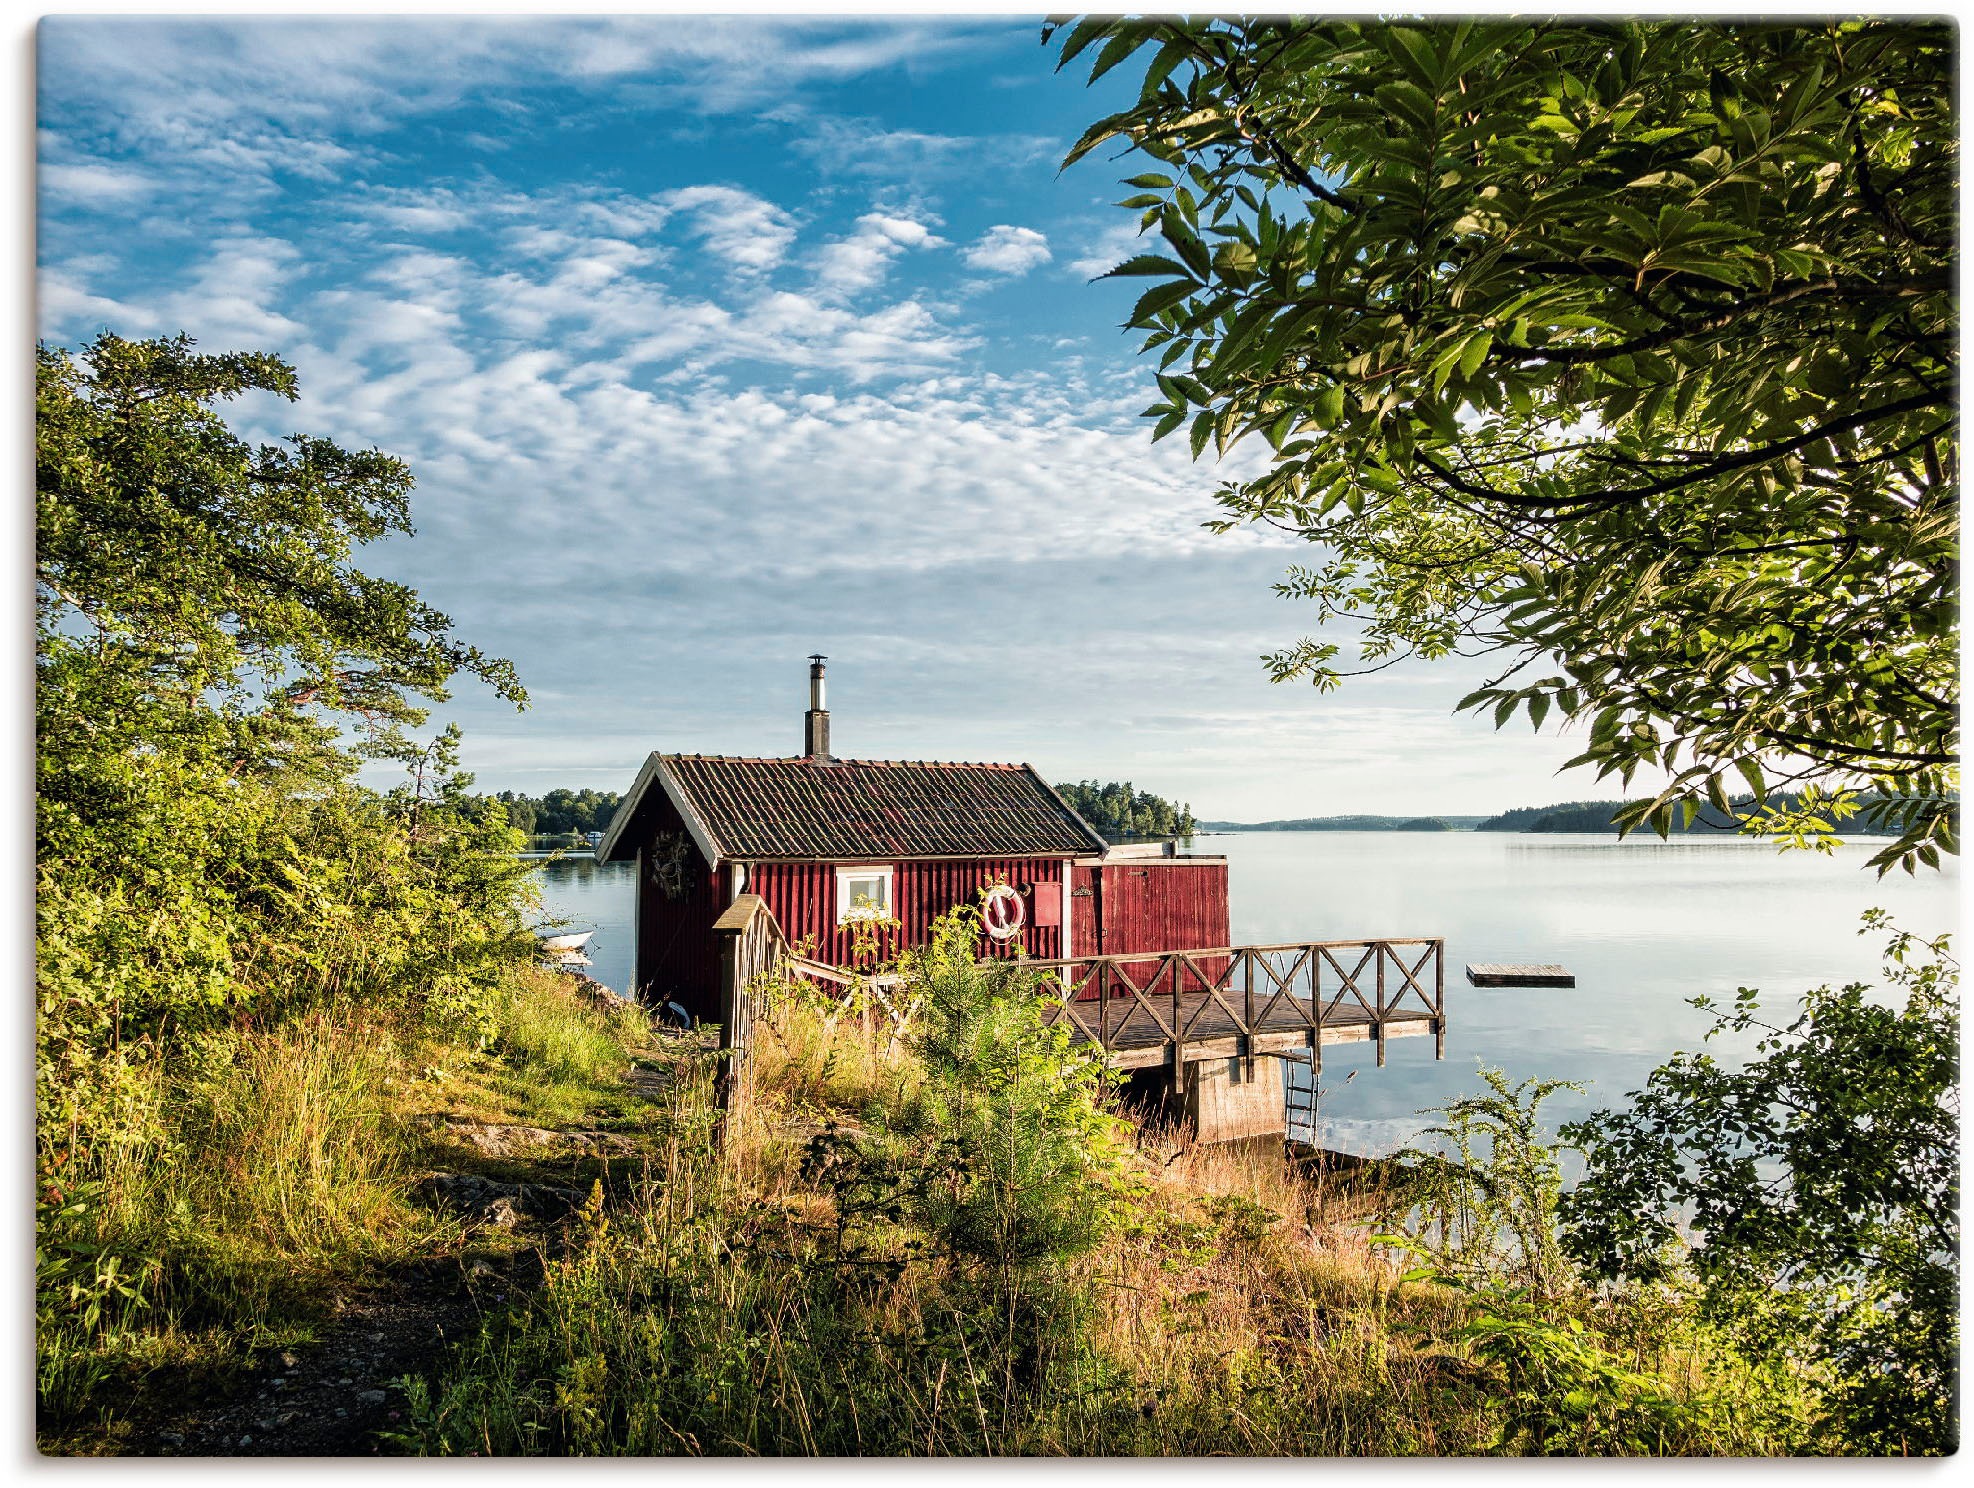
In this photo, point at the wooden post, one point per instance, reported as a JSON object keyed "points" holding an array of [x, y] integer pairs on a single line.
{"points": [[1103, 1007], [738, 930], [726, 1075], [1178, 1024], [1382, 949], [1439, 999]]}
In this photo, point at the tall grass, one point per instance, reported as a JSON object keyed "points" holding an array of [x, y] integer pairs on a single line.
{"points": [[739, 1306], [270, 1171], [553, 1052]]}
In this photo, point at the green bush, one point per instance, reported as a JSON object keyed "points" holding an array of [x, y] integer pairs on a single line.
{"points": [[1013, 1160], [1822, 1181]]}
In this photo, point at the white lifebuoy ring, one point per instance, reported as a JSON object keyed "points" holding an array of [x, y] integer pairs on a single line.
{"points": [[1003, 913]]}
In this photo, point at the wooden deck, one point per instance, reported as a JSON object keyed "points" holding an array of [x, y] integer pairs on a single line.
{"points": [[1180, 1006], [1138, 1041]]}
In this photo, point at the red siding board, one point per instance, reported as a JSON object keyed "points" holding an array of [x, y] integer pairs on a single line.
{"points": [[803, 898], [1151, 904]]}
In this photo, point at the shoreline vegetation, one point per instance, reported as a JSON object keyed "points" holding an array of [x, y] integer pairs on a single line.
{"points": [[936, 1239]]}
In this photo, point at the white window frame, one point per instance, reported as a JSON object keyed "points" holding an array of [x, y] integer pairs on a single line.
{"points": [[846, 909]]}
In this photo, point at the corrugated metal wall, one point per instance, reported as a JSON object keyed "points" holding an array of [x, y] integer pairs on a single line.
{"points": [[803, 898]]}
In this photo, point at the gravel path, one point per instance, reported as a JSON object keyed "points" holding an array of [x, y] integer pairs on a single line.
{"points": [[333, 1397]]}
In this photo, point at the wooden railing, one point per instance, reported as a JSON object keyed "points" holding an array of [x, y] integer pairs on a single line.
{"points": [[1252, 999], [1140, 1009]]}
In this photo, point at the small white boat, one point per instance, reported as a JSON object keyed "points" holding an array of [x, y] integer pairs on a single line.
{"points": [[571, 943]]}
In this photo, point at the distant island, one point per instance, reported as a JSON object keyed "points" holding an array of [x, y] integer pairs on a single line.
{"points": [[1123, 813], [1565, 816], [1595, 816]]}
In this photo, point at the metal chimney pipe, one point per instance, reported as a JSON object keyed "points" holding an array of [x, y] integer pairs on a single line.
{"points": [[815, 723]]}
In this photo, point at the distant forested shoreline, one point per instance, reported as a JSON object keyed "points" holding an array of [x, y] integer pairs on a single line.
{"points": [[1351, 824], [1564, 816], [560, 812]]}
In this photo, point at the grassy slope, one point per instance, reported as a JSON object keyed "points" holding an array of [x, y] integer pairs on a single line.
{"points": [[1239, 1309], [279, 1194], [718, 1304]]}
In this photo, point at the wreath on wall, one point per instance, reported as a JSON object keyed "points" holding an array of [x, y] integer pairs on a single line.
{"points": [[670, 853]]}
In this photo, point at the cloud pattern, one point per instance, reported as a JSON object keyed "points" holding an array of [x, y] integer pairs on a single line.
{"points": [[671, 435]]}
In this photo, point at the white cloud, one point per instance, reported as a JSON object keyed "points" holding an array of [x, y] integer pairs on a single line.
{"points": [[750, 234], [433, 211], [241, 102], [843, 146], [94, 184], [1008, 250], [1108, 249], [860, 261], [234, 293], [71, 312]]}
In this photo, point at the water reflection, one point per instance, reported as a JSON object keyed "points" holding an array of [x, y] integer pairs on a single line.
{"points": [[599, 896]]}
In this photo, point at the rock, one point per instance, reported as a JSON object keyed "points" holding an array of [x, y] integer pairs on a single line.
{"points": [[501, 1214], [489, 1201], [345, 1381], [288, 1360], [246, 1441], [371, 1397], [495, 1139]]}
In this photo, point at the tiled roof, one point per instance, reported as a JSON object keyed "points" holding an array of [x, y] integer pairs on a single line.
{"points": [[848, 809]]}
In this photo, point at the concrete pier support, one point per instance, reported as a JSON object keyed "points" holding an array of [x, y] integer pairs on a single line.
{"points": [[1218, 1100], [1229, 1100]]}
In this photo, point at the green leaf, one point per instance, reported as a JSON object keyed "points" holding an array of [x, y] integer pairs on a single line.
{"points": [[1751, 771], [1143, 264]]}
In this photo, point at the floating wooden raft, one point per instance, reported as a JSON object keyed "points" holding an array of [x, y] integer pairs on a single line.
{"points": [[1494, 974]]}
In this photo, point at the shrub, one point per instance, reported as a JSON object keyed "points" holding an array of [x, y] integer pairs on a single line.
{"points": [[1823, 1181]]}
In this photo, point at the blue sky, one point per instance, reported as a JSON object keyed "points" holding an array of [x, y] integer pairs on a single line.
{"points": [[716, 343]]}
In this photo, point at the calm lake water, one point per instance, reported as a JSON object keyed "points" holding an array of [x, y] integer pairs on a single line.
{"points": [[1644, 925]]}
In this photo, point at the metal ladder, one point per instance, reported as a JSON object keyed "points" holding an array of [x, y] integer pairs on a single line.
{"points": [[1299, 1100]]}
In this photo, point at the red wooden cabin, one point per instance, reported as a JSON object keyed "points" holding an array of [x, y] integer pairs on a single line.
{"points": [[823, 840]]}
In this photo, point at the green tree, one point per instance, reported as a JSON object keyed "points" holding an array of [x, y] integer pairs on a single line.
{"points": [[1120, 810], [521, 810], [1625, 351], [204, 643], [1823, 1180]]}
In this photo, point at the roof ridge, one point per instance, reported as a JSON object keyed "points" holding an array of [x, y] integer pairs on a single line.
{"points": [[803, 759]]}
